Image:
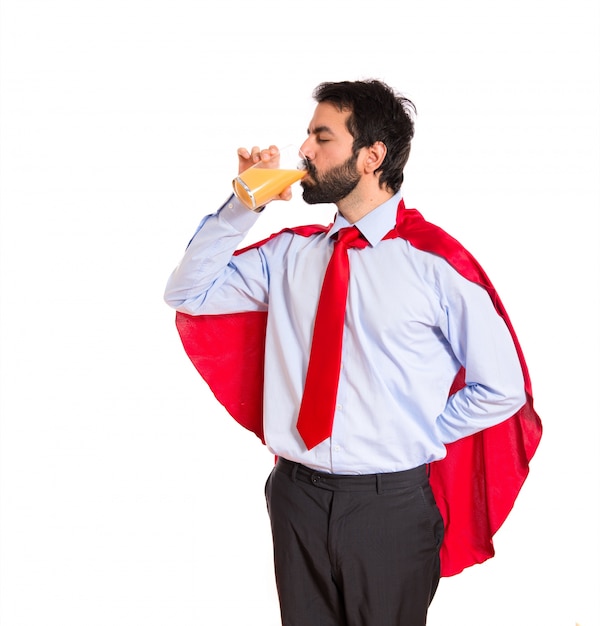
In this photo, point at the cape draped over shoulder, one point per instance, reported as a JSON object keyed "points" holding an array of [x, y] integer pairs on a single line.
{"points": [[475, 485]]}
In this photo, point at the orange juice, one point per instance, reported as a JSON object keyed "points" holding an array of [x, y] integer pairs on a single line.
{"points": [[256, 186]]}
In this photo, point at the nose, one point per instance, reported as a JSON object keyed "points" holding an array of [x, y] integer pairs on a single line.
{"points": [[307, 150]]}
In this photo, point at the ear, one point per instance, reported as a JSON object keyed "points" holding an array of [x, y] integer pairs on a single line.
{"points": [[374, 156]]}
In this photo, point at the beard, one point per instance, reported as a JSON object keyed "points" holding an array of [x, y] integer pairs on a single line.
{"points": [[332, 186]]}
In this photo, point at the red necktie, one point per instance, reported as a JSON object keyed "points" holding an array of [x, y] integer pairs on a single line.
{"points": [[315, 419]]}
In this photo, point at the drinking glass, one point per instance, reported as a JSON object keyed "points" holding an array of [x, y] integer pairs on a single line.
{"points": [[265, 180]]}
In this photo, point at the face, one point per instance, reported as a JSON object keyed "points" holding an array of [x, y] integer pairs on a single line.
{"points": [[332, 170]]}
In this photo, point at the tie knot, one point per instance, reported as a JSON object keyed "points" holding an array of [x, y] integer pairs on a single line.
{"points": [[350, 237]]}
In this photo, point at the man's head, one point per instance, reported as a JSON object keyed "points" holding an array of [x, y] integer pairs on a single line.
{"points": [[356, 120]]}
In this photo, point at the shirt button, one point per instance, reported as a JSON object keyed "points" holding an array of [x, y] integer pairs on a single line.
{"points": [[339, 407], [336, 448]]}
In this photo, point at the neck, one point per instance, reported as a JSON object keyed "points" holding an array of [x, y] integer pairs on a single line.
{"points": [[360, 202]]}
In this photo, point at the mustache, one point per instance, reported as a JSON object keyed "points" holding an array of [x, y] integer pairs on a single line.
{"points": [[310, 168]]}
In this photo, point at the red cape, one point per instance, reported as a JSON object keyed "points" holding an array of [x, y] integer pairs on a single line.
{"points": [[475, 485]]}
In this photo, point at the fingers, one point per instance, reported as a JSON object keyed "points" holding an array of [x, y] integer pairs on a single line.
{"points": [[256, 154], [286, 194], [243, 154]]}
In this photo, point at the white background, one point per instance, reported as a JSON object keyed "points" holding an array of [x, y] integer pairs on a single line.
{"points": [[128, 496]]}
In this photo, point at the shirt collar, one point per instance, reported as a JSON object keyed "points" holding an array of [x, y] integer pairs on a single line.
{"points": [[376, 224]]}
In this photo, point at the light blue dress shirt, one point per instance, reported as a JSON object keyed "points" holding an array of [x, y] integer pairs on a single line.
{"points": [[411, 322]]}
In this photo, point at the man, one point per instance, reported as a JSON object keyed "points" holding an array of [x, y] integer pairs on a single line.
{"points": [[360, 417]]}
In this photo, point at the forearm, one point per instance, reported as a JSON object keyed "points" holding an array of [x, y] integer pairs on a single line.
{"points": [[206, 263], [476, 407]]}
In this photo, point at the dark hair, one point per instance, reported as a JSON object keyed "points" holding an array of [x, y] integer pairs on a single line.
{"points": [[377, 113]]}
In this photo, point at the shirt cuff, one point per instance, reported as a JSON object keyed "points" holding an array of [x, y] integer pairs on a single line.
{"points": [[238, 215]]}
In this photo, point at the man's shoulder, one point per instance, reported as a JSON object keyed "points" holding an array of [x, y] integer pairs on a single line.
{"points": [[307, 230], [431, 238]]}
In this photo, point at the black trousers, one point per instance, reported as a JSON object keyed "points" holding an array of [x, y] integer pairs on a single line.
{"points": [[353, 550]]}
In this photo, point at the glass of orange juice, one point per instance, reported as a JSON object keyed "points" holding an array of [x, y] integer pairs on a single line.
{"points": [[265, 180]]}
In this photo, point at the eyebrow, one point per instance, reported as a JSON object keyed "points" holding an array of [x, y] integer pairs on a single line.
{"points": [[320, 129]]}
